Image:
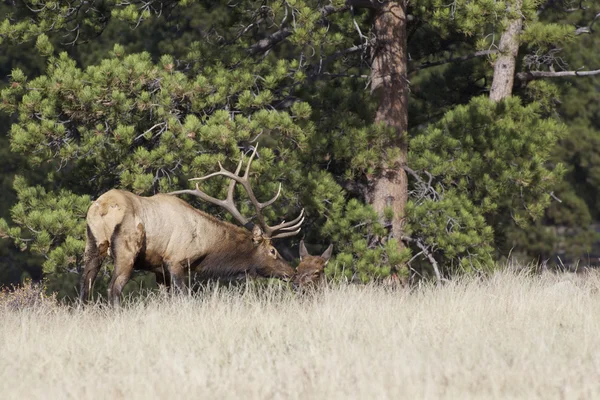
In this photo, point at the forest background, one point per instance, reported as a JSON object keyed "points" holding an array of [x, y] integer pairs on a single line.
{"points": [[424, 138]]}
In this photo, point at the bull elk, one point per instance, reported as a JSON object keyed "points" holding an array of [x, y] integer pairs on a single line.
{"points": [[165, 235], [311, 268]]}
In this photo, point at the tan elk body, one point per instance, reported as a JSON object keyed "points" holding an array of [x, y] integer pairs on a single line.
{"points": [[166, 235]]}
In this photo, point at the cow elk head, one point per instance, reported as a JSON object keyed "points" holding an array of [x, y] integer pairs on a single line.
{"points": [[311, 269]]}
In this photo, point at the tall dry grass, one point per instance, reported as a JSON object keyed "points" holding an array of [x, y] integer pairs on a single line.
{"points": [[510, 336]]}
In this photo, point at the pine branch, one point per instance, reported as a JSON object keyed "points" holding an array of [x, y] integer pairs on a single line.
{"points": [[466, 57], [525, 77], [276, 37]]}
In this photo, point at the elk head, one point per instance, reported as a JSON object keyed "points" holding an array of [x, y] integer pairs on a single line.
{"points": [[266, 259], [311, 268]]}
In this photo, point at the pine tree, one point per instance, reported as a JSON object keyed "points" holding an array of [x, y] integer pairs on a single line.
{"points": [[14, 264], [566, 230], [541, 37], [293, 76]]}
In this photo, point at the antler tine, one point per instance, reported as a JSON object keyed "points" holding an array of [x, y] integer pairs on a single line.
{"points": [[233, 182], [228, 204], [247, 173], [221, 172], [290, 228], [287, 226], [245, 182], [286, 234], [268, 203]]}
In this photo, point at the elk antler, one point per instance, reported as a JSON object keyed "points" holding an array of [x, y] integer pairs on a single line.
{"points": [[282, 230]]}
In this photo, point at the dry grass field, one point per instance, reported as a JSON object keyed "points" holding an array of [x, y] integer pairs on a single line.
{"points": [[509, 336]]}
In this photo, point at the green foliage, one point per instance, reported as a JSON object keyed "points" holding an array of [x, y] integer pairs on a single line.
{"points": [[75, 21], [15, 265], [481, 165], [544, 35], [354, 229], [454, 228], [54, 222]]}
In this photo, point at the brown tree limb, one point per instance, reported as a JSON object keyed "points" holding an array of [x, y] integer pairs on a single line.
{"points": [[424, 65], [267, 43], [525, 77], [466, 57], [371, 4], [318, 68]]}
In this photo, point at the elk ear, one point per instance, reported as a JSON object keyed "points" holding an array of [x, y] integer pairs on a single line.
{"points": [[303, 251], [257, 235], [327, 254]]}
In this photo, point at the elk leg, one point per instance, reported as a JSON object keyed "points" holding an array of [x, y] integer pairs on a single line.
{"points": [[177, 276], [163, 280], [116, 286], [93, 257], [125, 248]]}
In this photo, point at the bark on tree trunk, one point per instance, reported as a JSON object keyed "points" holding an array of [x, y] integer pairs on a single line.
{"points": [[389, 83], [504, 68]]}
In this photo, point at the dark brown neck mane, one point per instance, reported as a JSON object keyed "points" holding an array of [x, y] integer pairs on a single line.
{"points": [[232, 259], [234, 256]]}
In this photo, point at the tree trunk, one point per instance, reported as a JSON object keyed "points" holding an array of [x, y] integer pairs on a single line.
{"points": [[389, 186], [504, 68]]}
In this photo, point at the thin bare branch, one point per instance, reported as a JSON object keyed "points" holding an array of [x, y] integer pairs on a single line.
{"points": [[425, 250], [424, 188], [525, 77], [589, 28]]}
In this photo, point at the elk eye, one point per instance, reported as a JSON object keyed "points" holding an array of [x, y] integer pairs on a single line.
{"points": [[273, 251]]}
